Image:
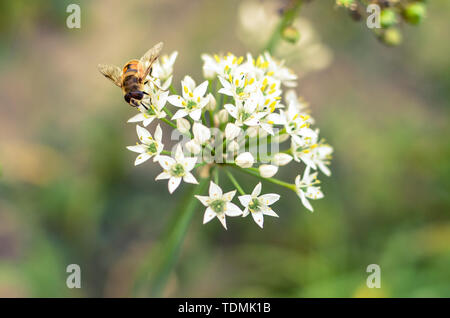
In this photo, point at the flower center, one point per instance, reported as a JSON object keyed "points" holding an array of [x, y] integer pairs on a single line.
{"points": [[177, 170], [244, 116], [254, 205], [191, 104], [152, 148], [218, 205]]}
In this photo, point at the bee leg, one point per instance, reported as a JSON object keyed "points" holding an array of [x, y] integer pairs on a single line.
{"points": [[145, 93], [144, 105]]}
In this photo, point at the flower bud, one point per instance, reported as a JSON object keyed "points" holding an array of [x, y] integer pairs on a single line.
{"points": [[388, 18], [414, 12], [233, 146], [245, 160], [222, 116], [392, 37], [281, 159], [252, 131], [232, 131], [267, 171], [211, 103], [290, 34], [201, 133], [183, 125], [193, 147]]}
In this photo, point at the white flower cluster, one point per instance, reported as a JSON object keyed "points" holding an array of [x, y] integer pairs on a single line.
{"points": [[240, 101]]}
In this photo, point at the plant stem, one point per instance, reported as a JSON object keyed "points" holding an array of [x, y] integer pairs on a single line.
{"points": [[254, 172], [235, 183], [168, 122], [153, 275], [287, 19]]}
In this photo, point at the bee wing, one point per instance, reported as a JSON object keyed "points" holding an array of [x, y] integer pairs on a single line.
{"points": [[150, 57], [112, 72]]}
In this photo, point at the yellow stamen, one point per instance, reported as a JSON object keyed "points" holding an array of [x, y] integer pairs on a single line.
{"points": [[217, 58]]}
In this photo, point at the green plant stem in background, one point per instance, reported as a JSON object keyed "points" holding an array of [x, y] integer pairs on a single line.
{"points": [[153, 276], [254, 172], [287, 19], [235, 183], [168, 122]]}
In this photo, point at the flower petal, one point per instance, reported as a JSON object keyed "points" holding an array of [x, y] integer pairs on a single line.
{"points": [[257, 190], [163, 176], [174, 182], [200, 90], [259, 218], [180, 114], [214, 191], [144, 135], [166, 162], [245, 199], [269, 198], [203, 199], [209, 215], [142, 158], [229, 195], [137, 148], [232, 209], [189, 178], [136, 118], [175, 100], [221, 217]]}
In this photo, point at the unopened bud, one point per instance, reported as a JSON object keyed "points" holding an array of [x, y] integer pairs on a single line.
{"points": [[291, 34], [211, 103], [267, 171], [281, 159], [245, 160], [388, 18], [392, 37], [222, 116], [232, 131], [415, 12], [183, 125], [233, 146], [193, 147]]}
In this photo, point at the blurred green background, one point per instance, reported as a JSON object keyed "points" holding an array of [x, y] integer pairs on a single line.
{"points": [[69, 192]]}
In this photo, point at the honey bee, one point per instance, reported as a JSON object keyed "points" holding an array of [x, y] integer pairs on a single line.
{"points": [[132, 77]]}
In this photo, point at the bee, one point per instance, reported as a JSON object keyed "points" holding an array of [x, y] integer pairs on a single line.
{"points": [[132, 77]]}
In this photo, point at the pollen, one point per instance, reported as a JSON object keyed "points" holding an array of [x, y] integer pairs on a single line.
{"points": [[217, 58], [185, 89], [239, 61], [270, 73], [191, 95]]}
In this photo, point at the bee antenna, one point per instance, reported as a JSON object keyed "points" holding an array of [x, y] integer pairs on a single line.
{"points": [[145, 93], [144, 105]]}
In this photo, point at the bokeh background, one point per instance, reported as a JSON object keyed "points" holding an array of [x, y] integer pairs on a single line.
{"points": [[69, 192]]}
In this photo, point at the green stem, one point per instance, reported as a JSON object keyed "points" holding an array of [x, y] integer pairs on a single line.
{"points": [[287, 19], [173, 90], [153, 275], [254, 172], [168, 122], [235, 183]]}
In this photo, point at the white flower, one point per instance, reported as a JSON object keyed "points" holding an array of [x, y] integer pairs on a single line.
{"points": [[281, 159], [267, 171], [183, 125], [219, 65], [177, 169], [245, 112], [162, 69], [154, 109], [279, 71], [218, 204], [149, 146], [258, 205], [306, 188], [193, 147], [245, 160], [192, 101], [232, 131], [313, 154], [296, 124]]}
